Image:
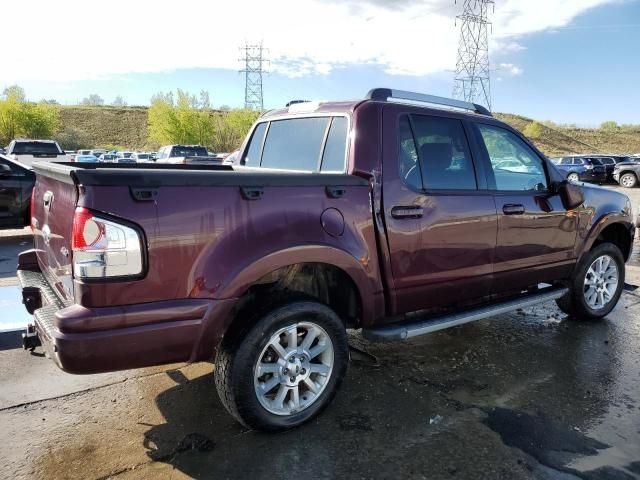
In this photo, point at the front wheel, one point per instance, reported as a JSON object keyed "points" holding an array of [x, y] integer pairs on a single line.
{"points": [[573, 177], [628, 180], [285, 369], [597, 284]]}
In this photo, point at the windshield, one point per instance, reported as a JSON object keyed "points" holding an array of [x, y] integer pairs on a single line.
{"points": [[36, 148], [189, 152]]}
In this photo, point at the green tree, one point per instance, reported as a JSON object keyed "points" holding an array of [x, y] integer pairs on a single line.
{"points": [[73, 139], [38, 120], [609, 125], [119, 102], [14, 92], [93, 100], [533, 130]]}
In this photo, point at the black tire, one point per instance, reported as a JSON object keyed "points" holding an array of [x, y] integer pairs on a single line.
{"points": [[574, 302], [628, 180], [236, 359], [573, 177]]}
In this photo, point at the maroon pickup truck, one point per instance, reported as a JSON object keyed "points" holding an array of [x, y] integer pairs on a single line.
{"points": [[400, 214]]}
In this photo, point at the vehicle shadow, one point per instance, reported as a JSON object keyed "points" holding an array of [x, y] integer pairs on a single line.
{"points": [[424, 409]]}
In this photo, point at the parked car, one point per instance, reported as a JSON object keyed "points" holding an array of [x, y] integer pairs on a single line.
{"points": [[16, 185], [108, 157], [28, 151], [627, 173], [83, 152], [141, 157], [187, 154], [124, 154], [97, 152], [86, 158], [579, 169], [346, 215]]}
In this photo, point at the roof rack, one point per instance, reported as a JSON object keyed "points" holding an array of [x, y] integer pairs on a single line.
{"points": [[384, 94]]}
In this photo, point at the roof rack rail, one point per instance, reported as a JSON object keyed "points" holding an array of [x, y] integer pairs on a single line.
{"points": [[384, 94]]}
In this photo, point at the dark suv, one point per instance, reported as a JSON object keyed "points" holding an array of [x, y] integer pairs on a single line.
{"points": [[582, 169]]}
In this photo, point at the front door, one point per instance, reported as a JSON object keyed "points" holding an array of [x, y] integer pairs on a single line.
{"points": [[440, 220], [536, 234]]}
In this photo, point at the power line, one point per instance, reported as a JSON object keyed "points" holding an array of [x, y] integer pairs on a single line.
{"points": [[472, 76], [254, 63]]}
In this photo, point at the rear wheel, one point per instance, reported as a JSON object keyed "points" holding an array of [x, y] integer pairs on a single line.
{"points": [[597, 284], [285, 369], [628, 180], [573, 177]]}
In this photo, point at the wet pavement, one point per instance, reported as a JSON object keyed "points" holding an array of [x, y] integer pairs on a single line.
{"points": [[527, 395]]}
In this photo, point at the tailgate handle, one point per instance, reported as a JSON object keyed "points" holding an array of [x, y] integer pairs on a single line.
{"points": [[144, 194], [252, 193], [47, 199], [335, 192]]}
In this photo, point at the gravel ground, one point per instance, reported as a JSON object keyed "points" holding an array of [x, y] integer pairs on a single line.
{"points": [[527, 395]]}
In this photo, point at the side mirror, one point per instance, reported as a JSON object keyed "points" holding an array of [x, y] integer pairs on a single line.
{"points": [[5, 170], [570, 194]]}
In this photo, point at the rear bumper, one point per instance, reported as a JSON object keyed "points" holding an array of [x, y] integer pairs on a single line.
{"points": [[92, 340]]}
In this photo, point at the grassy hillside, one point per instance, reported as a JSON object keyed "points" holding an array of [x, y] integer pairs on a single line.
{"points": [[108, 126], [561, 140], [127, 128]]}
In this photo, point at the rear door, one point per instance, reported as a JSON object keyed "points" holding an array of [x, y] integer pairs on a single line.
{"points": [[440, 220], [536, 234]]}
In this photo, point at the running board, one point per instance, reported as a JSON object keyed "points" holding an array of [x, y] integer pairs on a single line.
{"points": [[414, 329]]}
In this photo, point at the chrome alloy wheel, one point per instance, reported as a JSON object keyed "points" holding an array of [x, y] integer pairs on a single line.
{"points": [[628, 180], [294, 368], [573, 177], [601, 282]]}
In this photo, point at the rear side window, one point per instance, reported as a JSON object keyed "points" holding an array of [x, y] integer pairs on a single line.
{"points": [[442, 150], [305, 144]]}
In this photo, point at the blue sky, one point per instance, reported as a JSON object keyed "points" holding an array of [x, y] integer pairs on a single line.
{"points": [[574, 61]]}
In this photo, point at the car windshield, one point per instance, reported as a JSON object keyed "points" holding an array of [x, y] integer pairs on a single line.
{"points": [[189, 152], [36, 148]]}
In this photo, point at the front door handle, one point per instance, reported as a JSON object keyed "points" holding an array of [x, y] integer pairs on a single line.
{"points": [[513, 209], [410, 211]]}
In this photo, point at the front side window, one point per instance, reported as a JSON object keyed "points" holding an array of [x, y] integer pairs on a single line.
{"points": [[304, 144], [445, 161], [516, 167]]}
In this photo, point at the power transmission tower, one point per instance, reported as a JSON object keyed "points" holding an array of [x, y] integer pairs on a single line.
{"points": [[254, 63], [472, 81]]}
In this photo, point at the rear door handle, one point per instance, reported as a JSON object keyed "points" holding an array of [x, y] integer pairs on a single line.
{"points": [[411, 211], [513, 209]]}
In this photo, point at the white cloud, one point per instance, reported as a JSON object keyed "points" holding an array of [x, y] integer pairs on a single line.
{"points": [[510, 69], [80, 39]]}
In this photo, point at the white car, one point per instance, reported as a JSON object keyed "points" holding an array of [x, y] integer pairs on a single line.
{"points": [[29, 151]]}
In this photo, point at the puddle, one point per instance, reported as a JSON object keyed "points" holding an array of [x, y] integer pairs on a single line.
{"points": [[13, 315]]}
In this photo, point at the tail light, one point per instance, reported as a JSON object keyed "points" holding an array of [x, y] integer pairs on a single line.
{"points": [[32, 221], [104, 248]]}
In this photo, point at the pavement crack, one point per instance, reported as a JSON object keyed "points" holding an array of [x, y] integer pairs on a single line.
{"points": [[81, 392]]}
